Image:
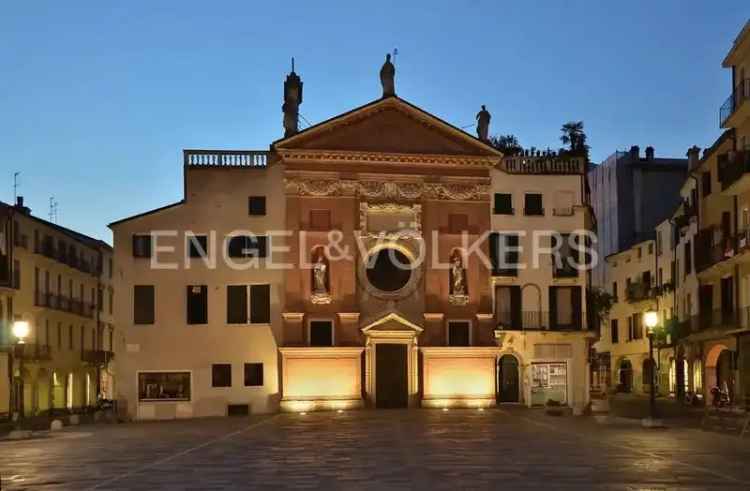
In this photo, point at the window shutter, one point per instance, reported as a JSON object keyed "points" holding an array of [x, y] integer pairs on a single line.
{"points": [[236, 304], [577, 307], [553, 307], [494, 251], [515, 306], [197, 304], [260, 304], [143, 304]]}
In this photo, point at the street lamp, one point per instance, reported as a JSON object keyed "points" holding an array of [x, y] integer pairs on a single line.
{"points": [[20, 330], [651, 319]]}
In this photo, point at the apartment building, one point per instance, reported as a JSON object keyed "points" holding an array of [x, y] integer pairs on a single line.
{"points": [[362, 262], [60, 282], [631, 194], [717, 335], [640, 280]]}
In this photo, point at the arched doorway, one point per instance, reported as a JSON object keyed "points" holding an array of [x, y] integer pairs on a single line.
{"points": [[719, 370], [625, 376], [507, 379], [725, 373]]}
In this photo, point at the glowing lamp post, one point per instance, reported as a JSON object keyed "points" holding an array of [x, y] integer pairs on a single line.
{"points": [[20, 330], [651, 319]]}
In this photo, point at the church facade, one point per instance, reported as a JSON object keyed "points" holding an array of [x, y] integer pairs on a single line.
{"points": [[383, 258]]}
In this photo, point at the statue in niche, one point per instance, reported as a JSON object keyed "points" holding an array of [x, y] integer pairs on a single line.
{"points": [[483, 124], [458, 284], [388, 77], [320, 277]]}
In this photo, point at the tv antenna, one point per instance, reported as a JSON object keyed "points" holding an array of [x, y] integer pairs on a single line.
{"points": [[53, 209], [15, 187]]}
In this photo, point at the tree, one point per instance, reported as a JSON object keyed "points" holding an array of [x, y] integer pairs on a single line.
{"points": [[508, 144], [599, 303], [574, 136]]}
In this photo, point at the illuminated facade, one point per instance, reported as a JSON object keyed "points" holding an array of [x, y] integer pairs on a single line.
{"points": [[59, 281], [383, 185]]}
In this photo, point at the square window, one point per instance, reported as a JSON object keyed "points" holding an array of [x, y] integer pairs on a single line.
{"points": [[253, 374], [197, 245], [503, 204], [458, 223], [321, 333], [320, 219], [141, 245], [533, 204], [256, 205], [458, 333], [221, 375]]}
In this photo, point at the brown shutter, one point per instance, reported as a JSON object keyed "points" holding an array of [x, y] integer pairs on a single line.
{"points": [[260, 304]]}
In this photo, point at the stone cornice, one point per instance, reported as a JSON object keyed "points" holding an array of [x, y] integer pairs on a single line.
{"points": [[415, 159]]}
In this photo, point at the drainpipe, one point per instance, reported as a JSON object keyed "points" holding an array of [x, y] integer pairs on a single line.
{"points": [[10, 245]]}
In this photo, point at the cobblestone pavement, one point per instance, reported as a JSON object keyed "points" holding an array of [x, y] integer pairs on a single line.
{"points": [[433, 449]]}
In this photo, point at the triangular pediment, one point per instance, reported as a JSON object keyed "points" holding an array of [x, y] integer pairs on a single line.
{"points": [[392, 322], [390, 125]]}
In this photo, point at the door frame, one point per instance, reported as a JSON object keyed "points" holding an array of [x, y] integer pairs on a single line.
{"points": [[519, 396], [405, 374]]}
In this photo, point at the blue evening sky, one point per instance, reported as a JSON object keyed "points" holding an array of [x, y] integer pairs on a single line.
{"points": [[98, 100]]}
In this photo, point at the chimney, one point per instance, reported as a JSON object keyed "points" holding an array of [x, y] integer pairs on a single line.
{"points": [[649, 153], [635, 152], [693, 155], [20, 206]]}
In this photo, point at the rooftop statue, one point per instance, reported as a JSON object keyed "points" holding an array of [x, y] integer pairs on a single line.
{"points": [[388, 77]]}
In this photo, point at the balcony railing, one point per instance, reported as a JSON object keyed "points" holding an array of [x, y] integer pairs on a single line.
{"points": [[97, 357], [717, 319], [732, 166], [29, 351], [225, 158], [536, 321], [543, 163], [638, 292], [64, 304], [740, 95], [710, 250]]}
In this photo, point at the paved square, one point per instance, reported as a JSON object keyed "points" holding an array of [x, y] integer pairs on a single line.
{"points": [[458, 449]]}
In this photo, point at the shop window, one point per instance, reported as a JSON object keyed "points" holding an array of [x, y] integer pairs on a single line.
{"points": [[549, 382], [164, 386]]}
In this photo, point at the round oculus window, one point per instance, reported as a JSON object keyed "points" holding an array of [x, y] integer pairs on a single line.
{"points": [[388, 270]]}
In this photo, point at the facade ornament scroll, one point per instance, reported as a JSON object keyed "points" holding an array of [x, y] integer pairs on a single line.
{"points": [[386, 190]]}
